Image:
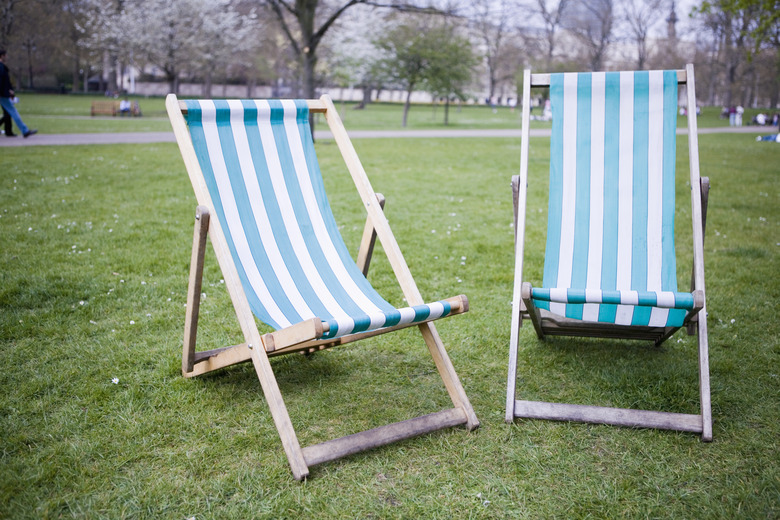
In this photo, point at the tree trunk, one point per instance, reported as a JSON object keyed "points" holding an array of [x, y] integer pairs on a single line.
{"points": [[173, 82], [407, 104], [310, 90], [731, 75], [491, 79], [113, 75], [447, 111], [31, 83], [207, 84], [366, 97], [75, 78], [309, 86], [774, 93], [642, 53]]}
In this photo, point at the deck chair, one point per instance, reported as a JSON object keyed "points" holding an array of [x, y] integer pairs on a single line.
{"points": [[610, 265], [262, 202]]}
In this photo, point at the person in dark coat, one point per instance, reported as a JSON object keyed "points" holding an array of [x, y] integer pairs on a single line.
{"points": [[6, 93]]}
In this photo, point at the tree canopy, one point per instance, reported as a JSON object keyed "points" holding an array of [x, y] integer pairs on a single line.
{"points": [[296, 47], [428, 56]]}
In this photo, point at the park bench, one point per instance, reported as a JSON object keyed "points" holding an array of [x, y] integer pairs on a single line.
{"points": [[104, 108], [111, 108]]}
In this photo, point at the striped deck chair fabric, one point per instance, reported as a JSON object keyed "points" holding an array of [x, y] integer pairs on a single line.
{"points": [[610, 254], [610, 268], [291, 258], [262, 202]]}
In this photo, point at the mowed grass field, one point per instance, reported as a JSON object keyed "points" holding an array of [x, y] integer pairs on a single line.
{"points": [[61, 114], [97, 421]]}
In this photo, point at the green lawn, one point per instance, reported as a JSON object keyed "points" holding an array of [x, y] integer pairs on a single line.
{"points": [[60, 114], [97, 421]]}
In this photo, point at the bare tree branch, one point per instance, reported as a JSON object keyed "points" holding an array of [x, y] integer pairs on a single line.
{"points": [[405, 7], [317, 36], [283, 3], [276, 6]]}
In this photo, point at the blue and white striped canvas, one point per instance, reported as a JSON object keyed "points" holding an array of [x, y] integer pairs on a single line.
{"points": [[261, 171], [610, 239]]}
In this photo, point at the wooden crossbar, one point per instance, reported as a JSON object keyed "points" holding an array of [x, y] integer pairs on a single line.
{"points": [[367, 242], [208, 360], [316, 106], [388, 434], [605, 415], [543, 80], [204, 361], [458, 305], [555, 325]]}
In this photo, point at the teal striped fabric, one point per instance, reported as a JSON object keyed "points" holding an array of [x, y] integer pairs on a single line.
{"points": [[610, 239], [259, 165]]}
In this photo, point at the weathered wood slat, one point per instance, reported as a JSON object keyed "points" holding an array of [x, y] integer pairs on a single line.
{"points": [[366, 249], [194, 287], [388, 434], [315, 105], [554, 325], [295, 334], [543, 80], [603, 415], [209, 360], [459, 304]]}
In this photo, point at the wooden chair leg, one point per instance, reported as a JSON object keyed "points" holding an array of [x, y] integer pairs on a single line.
{"points": [[704, 357], [511, 383], [516, 201], [705, 197], [281, 417], [301, 459], [194, 289], [369, 239], [447, 373], [533, 312], [704, 378], [257, 351], [692, 325], [519, 306]]}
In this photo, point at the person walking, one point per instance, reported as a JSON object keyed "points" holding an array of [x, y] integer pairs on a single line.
{"points": [[7, 125], [6, 93]]}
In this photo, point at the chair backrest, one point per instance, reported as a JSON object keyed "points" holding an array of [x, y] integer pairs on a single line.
{"points": [[261, 171], [612, 187]]}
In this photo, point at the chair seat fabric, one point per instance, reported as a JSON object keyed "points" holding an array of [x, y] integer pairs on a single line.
{"points": [[261, 171], [667, 309], [610, 253]]}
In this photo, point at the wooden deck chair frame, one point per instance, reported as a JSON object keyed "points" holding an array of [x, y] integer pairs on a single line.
{"points": [[301, 337], [548, 324]]}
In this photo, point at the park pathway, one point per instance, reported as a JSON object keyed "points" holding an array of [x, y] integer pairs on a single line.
{"points": [[167, 137]]}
